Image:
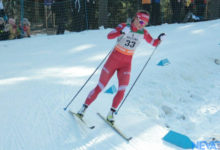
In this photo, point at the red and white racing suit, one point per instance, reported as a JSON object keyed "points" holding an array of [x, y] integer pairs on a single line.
{"points": [[120, 61]]}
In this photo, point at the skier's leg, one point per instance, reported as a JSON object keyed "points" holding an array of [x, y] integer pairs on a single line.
{"points": [[123, 81], [106, 74]]}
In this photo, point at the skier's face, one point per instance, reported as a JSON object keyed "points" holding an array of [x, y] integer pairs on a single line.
{"points": [[139, 24]]}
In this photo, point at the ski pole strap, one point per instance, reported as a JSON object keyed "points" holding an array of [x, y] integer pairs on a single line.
{"points": [[116, 112]]}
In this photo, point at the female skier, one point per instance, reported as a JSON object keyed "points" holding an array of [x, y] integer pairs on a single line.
{"points": [[129, 37]]}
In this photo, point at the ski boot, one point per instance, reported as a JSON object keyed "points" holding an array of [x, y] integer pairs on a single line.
{"points": [[110, 116], [82, 111]]}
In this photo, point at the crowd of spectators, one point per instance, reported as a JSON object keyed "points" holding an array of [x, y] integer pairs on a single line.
{"points": [[84, 15], [10, 29], [182, 10], [193, 10]]}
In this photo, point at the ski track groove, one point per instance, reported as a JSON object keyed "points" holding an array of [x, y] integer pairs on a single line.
{"points": [[15, 135], [47, 119], [14, 138], [20, 136]]}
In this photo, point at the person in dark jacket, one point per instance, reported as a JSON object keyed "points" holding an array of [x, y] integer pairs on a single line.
{"points": [[59, 7], [91, 8], [156, 12], [176, 9], [146, 5], [200, 8]]}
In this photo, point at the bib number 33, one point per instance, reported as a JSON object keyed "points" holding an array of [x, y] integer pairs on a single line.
{"points": [[130, 44]]}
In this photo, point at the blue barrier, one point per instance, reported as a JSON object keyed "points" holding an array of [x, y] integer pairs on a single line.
{"points": [[179, 140]]}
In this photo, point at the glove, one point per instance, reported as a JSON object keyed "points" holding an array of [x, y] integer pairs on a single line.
{"points": [[161, 36], [125, 30]]}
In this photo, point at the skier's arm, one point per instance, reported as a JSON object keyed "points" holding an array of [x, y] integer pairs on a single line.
{"points": [[150, 40], [117, 31]]}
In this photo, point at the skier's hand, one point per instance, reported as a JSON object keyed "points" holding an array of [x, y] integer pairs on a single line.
{"points": [[161, 36], [126, 30]]}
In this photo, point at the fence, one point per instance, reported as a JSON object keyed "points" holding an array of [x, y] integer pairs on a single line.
{"points": [[55, 16]]}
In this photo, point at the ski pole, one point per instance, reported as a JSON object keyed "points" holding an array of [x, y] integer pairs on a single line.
{"points": [[86, 82], [116, 112]]}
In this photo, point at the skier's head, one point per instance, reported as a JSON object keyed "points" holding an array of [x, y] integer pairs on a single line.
{"points": [[141, 19]]}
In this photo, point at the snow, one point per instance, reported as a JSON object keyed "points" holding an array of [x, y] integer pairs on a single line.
{"points": [[41, 74]]}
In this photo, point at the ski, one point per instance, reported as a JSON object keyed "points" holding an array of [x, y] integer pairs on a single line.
{"points": [[81, 119], [115, 128]]}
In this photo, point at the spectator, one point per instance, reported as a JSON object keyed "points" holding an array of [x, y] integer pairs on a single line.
{"points": [[26, 28], [59, 9], [4, 32], [156, 12], [176, 9], [146, 5], [188, 10], [14, 30], [188, 6], [91, 6], [200, 8], [78, 15], [189, 13]]}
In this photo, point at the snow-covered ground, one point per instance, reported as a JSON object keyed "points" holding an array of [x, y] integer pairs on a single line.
{"points": [[41, 74]]}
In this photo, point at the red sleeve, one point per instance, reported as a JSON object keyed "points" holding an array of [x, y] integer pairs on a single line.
{"points": [[150, 40], [116, 32]]}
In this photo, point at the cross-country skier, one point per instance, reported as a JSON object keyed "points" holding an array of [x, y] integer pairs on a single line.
{"points": [[129, 37]]}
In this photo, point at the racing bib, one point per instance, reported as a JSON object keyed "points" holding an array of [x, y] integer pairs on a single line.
{"points": [[128, 43]]}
